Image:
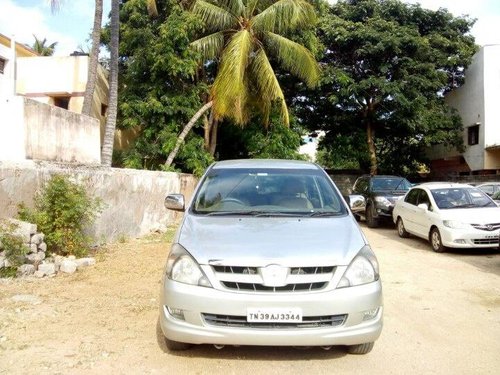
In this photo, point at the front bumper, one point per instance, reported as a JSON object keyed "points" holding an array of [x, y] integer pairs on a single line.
{"points": [[195, 301], [469, 238]]}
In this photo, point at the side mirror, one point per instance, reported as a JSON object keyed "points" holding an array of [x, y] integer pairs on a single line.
{"points": [[174, 202], [356, 201], [423, 206]]}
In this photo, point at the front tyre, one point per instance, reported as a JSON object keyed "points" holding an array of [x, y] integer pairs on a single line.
{"points": [[360, 348], [166, 344], [436, 242], [371, 220], [401, 229]]}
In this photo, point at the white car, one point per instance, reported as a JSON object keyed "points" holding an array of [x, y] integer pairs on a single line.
{"points": [[449, 215]]}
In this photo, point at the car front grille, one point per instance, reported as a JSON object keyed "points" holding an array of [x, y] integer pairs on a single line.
{"points": [[487, 227], [250, 279], [486, 241], [237, 321]]}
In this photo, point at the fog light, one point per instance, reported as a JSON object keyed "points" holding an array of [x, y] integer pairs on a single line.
{"points": [[370, 314], [176, 313], [460, 241]]}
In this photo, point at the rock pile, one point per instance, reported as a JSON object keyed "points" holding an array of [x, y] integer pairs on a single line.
{"points": [[37, 262]]}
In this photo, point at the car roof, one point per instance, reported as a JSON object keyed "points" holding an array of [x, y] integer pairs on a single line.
{"points": [[381, 176], [442, 185], [488, 183], [264, 163]]}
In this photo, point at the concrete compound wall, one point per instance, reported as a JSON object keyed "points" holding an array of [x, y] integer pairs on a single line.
{"points": [[133, 199]]}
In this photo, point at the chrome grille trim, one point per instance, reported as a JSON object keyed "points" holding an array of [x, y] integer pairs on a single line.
{"points": [[238, 321], [250, 279], [486, 241], [487, 227]]}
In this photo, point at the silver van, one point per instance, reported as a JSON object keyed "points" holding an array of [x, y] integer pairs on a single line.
{"points": [[268, 253]]}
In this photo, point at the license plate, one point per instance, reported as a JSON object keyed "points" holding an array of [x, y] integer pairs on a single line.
{"points": [[274, 315]]}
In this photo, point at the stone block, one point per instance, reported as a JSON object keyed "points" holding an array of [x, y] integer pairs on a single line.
{"points": [[68, 266], [23, 229], [35, 258], [47, 268], [42, 247], [37, 238], [25, 270], [33, 248], [39, 274], [84, 262]]}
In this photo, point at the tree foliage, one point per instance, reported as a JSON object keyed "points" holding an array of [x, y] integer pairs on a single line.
{"points": [[160, 89], [387, 67]]}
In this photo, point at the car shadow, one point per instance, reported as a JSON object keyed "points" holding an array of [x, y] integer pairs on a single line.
{"points": [[262, 353]]}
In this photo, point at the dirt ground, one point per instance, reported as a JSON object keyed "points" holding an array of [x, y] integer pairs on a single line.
{"points": [[442, 316]]}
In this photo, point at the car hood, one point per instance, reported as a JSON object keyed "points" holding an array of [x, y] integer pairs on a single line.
{"points": [[259, 241], [486, 215]]}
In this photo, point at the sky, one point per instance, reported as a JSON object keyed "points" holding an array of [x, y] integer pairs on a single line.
{"points": [[71, 25]]}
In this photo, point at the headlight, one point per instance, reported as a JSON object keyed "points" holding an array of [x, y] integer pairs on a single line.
{"points": [[362, 270], [383, 201], [183, 268], [455, 224]]}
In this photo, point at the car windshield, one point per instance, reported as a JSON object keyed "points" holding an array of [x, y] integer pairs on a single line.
{"points": [[392, 183], [450, 198], [267, 192]]}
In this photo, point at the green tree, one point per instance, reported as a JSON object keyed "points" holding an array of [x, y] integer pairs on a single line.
{"points": [[388, 67], [161, 86], [241, 35], [40, 46]]}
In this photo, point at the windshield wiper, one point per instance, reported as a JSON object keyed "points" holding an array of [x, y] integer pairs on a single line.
{"points": [[255, 213], [323, 214]]}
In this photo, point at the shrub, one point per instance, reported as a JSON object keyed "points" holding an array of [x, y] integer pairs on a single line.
{"points": [[13, 246], [62, 211]]}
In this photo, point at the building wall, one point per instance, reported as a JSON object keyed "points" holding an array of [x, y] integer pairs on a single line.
{"points": [[133, 199], [58, 135], [492, 96], [12, 128], [46, 78]]}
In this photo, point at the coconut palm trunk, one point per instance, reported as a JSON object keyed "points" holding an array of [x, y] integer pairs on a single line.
{"points": [[185, 131], [109, 131], [93, 60]]}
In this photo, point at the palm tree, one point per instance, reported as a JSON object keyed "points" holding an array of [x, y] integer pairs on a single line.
{"points": [[109, 130], [93, 60], [242, 33], [42, 49]]}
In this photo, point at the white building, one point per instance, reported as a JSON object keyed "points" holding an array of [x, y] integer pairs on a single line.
{"points": [[478, 103]]}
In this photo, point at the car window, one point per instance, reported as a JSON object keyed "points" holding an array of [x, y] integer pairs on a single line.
{"points": [[423, 197], [396, 183], [450, 198], [488, 189], [412, 197], [262, 191]]}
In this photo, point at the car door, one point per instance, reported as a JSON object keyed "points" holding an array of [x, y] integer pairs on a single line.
{"points": [[407, 210], [422, 216], [360, 188]]}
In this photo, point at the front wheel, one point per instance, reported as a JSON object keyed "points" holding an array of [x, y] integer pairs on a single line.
{"points": [[436, 242], [371, 220], [401, 229], [360, 348]]}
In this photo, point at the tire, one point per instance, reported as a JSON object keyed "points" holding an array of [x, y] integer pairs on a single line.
{"points": [[166, 344], [435, 240], [358, 219], [371, 221], [401, 229], [360, 348]]}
